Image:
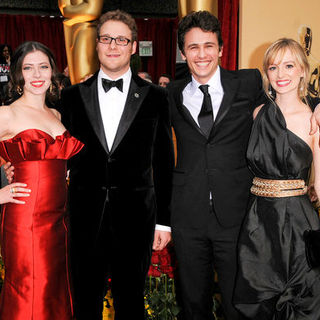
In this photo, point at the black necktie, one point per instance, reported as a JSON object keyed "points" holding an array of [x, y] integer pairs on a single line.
{"points": [[108, 84], [205, 117]]}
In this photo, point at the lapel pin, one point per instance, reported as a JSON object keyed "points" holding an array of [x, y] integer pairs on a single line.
{"points": [[137, 95]]}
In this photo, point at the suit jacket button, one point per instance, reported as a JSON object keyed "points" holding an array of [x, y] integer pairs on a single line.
{"points": [[110, 160]]}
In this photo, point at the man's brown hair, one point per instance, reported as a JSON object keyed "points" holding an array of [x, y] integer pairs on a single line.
{"points": [[119, 15]]}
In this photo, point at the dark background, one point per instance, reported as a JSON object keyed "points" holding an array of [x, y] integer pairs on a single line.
{"points": [[138, 8], [157, 20]]}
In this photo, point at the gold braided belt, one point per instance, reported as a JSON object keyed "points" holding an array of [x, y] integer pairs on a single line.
{"points": [[278, 188]]}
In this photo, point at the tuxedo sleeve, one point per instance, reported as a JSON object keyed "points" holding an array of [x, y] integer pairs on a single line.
{"points": [[64, 106], [260, 96], [163, 161], [312, 101]]}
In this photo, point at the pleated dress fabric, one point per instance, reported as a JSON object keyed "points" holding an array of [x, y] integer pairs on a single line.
{"points": [[274, 281]]}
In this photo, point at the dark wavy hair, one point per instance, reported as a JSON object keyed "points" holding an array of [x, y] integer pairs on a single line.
{"points": [[198, 19], [16, 77]]}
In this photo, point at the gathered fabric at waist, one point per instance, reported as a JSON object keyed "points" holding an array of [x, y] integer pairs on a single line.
{"points": [[278, 188], [49, 172], [47, 181]]}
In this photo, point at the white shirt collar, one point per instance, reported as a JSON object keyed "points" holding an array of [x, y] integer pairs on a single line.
{"points": [[214, 83], [126, 79]]}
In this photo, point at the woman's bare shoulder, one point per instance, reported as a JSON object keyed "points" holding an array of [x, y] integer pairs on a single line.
{"points": [[6, 119], [56, 113], [5, 112], [256, 110]]}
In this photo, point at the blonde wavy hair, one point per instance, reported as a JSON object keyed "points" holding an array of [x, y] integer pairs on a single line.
{"points": [[279, 47]]}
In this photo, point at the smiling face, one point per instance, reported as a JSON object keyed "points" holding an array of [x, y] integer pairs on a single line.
{"points": [[202, 53], [285, 73], [36, 72], [115, 59]]}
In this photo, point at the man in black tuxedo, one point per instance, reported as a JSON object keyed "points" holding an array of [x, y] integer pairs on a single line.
{"points": [[120, 183], [211, 113]]}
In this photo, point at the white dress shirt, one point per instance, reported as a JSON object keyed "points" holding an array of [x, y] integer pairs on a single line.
{"points": [[112, 104], [193, 96]]}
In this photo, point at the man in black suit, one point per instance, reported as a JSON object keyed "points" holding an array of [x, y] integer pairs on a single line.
{"points": [[211, 113], [120, 183]]}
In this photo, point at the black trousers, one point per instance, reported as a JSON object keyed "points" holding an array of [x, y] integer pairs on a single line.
{"points": [[123, 257], [199, 253]]}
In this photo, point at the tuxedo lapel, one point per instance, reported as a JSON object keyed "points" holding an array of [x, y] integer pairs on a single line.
{"points": [[182, 109], [230, 85], [136, 96], [89, 95]]}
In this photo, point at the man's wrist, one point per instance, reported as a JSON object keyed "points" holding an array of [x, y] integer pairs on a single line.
{"points": [[161, 227]]}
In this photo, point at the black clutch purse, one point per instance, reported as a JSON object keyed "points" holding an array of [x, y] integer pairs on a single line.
{"points": [[312, 242]]}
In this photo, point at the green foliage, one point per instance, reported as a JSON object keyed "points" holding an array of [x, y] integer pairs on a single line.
{"points": [[160, 298]]}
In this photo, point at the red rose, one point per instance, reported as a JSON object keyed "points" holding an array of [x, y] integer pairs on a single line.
{"points": [[165, 260], [154, 271], [166, 269], [155, 259]]}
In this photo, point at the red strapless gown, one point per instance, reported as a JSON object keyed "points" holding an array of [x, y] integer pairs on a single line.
{"points": [[34, 235]]}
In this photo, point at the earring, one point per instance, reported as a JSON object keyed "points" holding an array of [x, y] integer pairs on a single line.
{"points": [[270, 91], [51, 88], [19, 90], [301, 87]]}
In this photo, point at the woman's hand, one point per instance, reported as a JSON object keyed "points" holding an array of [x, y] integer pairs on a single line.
{"points": [[315, 120], [9, 192], [9, 171]]}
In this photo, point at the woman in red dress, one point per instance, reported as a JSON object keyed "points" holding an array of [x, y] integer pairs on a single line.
{"points": [[34, 235]]}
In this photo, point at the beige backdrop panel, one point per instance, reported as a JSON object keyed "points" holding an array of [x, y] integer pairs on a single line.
{"points": [[263, 21]]}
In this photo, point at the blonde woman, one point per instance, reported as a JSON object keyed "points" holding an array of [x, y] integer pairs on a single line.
{"points": [[274, 280]]}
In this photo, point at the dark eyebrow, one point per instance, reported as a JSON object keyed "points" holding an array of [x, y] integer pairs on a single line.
{"points": [[197, 44], [31, 64]]}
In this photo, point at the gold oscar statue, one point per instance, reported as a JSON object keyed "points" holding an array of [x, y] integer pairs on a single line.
{"points": [[305, 39], [186, 6], [80, 35]]}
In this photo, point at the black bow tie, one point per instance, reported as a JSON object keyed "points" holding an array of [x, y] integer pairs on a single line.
{"points": [[108, 84]]}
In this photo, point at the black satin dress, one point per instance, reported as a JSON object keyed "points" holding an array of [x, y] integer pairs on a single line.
{"points": [[274, 281]]}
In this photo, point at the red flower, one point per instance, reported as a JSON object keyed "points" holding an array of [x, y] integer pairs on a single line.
{"points": [[162, 262], [155, 258], [154, 271], [165, 260], [167, 270]]}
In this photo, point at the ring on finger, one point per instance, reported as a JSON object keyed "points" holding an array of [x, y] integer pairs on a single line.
{"points": [[12, 190]]}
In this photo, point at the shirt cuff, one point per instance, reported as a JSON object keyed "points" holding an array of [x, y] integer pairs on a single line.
{"points": [[160, 227]]}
